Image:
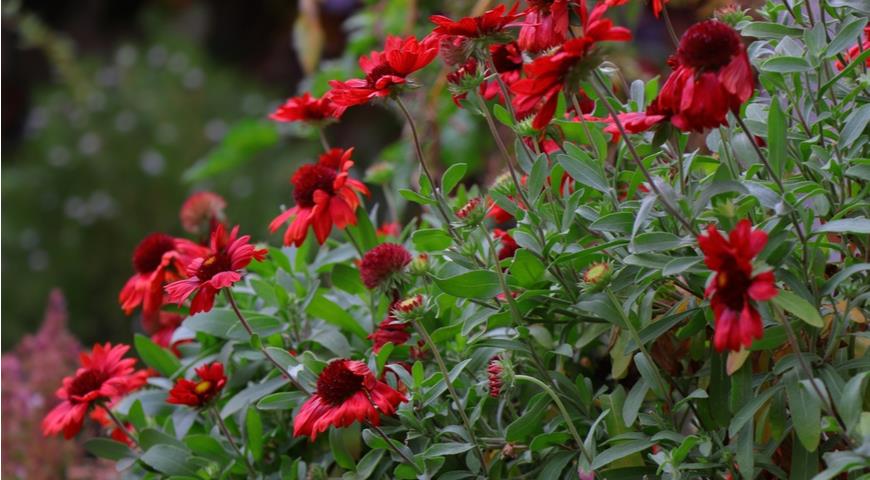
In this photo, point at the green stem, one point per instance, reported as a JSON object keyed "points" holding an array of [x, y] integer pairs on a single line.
{"points": [[323, 141], [247, 326], [562, 410], [446, 373], [119, 424], [394, 448], [226, 433]]}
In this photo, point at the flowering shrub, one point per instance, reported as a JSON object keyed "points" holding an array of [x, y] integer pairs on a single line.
{"points": [[666, 282]]}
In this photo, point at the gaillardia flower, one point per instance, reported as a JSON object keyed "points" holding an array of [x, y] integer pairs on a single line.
{"points": [[104, 375], [158, 258], [545, 25], [734, 286], [325, 196], [509, 246], [202, 212], [490, 23], [306, 108], [385, 71], [380, 265], [347, 392], [390, 330], [197, 394], [217, 269], [712, 77]]}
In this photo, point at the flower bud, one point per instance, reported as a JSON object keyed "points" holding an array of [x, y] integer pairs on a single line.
{"points": [[411, 308], [597, 276], [419, 265], [471, 213], [731, 14]]}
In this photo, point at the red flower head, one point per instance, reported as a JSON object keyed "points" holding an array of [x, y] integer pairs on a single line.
{"points": [[217, 269], [509, 246], [390, 229], [490, 23], [136, 381], [380, 264], [197, 394], [494, 371], [390, 330], [508, 61], [733, 286], [202, 212], [463, 80], [657, 5], [545, 25], [325, 196], [306, 108], [712, 77], [347, 392], [103, 376], [856, 50], [385, 71], [157, 259], [548, 74]]}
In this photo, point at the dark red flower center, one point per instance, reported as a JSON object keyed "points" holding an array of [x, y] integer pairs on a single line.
{"points": [[213, 265], [310, 178], [732, 285], [337, 383], [149, 252], [708, 45], [86, 382], [382, 70]]}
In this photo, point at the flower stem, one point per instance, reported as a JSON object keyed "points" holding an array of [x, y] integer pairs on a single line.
{"points": [[446, 373], [119, 424], [247, 326], [670, 26], [600, 90], [398, 452], [226, 433], [439, 199], [562, 410], [323, 141]]}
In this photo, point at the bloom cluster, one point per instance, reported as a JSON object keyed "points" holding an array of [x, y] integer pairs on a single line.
{"points": [[689, 295]]}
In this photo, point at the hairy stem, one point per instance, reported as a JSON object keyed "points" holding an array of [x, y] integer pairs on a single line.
{"points": [[394, 449], [226, 433]]}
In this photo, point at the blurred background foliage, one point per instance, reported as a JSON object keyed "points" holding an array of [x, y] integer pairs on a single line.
{"points": [[115, 112]]}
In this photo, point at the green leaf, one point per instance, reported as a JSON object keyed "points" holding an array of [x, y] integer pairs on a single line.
{"points": [[280, 401], [243, 141], [108, 449], [836, 279], [168, 459], [747, 411], [254, 431], [545, 440], [798, 307], [786, 64], [322, 307], [855, 125], [633, 401], [451, 448], [845, 38], [415, 197], [850, 402], [654, 242], [530, 421], [580, 166], [527, 268], [502, 115], [156, 356], [846, 225], [555, 464], [206, 446], [481, 284], [452, 176], [770, 30], [253, 393], [617, 452], [776, 137], [217, 322], [345, 445], [618, 222], [431, 239], [805, 413]]}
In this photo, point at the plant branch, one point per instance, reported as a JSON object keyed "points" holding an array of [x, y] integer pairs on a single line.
{"points": [[226, 433]]}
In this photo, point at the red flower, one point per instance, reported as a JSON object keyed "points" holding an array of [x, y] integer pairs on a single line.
{"points": [[157, 259], [460, 79], [509, 246], [379, 265], [202, 212], [104, 375], [306, 108], [215, 270], [491, 22], [468, 208], [712, 77], [347, 392], [325, 196], [856, 50], [547, 75], [632, 122], [162, 332], [508, 61], [545, 25], [389, 330], [494, 371], [657, 5], [385, 71], [390, 229], [196, 394], [733, 286]]}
